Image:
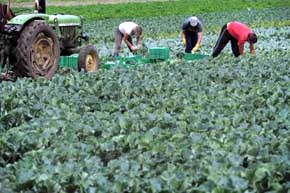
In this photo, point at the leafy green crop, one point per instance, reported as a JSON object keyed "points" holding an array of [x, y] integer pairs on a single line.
{"points": [[213, 125], [218, 125]]}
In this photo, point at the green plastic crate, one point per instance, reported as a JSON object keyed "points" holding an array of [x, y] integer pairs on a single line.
{"points": [[109, 65], [69, 61], [196, 56], [126, 62], [114, 64], [130, 59], [159, 53], [145, 61], [135, 60]]}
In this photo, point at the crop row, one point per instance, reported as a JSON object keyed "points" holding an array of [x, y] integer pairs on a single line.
{"points": [[219, 125], [270, 24]]}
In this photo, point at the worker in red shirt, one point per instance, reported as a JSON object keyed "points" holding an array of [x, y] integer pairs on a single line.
{"points": [[238, 33]]}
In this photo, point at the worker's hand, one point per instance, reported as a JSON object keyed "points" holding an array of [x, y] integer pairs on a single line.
{"points": [[183, 41], [253, 53], [134, 48], [196, 48], [138, 46]]}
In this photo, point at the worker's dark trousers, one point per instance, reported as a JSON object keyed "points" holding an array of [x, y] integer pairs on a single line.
{"points": [[222, 41], [118, 41], [191, 40]]}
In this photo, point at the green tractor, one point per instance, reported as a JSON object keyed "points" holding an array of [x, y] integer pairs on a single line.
{"points": [[31, 44]]}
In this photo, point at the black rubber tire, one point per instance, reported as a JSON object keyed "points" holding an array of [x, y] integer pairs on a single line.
{"points": [[88, 59], [37, 50]]}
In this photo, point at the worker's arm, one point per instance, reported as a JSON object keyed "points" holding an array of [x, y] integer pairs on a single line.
{"points": [[183, 40], [241, 49], [139, 40], [199, 37], [252, 50], [198, 43], [127, 42]]}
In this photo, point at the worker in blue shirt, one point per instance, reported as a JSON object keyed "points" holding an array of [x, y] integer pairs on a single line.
{"points": [[191, 34]]}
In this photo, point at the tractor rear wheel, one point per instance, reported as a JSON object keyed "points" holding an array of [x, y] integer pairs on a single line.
{"points": [[37, 51], [88, 59]]}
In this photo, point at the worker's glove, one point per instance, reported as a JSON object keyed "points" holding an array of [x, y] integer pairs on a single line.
{"points": [[183, 41], [196, 48]]}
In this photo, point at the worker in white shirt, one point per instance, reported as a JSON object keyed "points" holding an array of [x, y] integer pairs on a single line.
{"points": [[40, 6], [126, 31]]}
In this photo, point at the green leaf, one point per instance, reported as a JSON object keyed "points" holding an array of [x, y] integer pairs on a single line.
{"points": [[261, 173], [155, 185]]}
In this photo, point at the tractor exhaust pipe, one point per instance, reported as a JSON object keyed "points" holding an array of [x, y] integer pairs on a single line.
{"points": [[40, 6]]}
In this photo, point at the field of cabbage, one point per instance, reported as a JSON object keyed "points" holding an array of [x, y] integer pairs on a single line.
{"points": [[214, 125]]}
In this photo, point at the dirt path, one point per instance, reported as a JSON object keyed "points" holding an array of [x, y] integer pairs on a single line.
{"points": [[81, 2]]}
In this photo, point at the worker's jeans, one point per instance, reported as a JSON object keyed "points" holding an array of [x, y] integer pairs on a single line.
{"points": [[118, 42], [191, 40], [224, 38]]}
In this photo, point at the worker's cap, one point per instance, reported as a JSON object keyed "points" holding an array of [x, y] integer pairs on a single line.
{"points": [[193, 21]]}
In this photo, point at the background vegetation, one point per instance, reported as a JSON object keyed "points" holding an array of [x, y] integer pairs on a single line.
{"points": [[149, 9]]}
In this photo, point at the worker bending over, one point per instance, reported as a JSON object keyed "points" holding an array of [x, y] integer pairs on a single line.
{"points": [[191, 34], [238, 33], [126, 31]]}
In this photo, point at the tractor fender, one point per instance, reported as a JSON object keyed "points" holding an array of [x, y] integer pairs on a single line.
{"points": [[65, 20], [22, 20]]}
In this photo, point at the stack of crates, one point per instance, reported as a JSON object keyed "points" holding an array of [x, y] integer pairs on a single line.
{"points": [[159, 53], [69, 61]]}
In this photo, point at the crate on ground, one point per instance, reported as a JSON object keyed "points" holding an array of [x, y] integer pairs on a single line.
{"points": [[126, 62], [70, 61], [145, 61], [195, 56], [159, 53], [134, 59], [115, 64], [109, 65]]}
